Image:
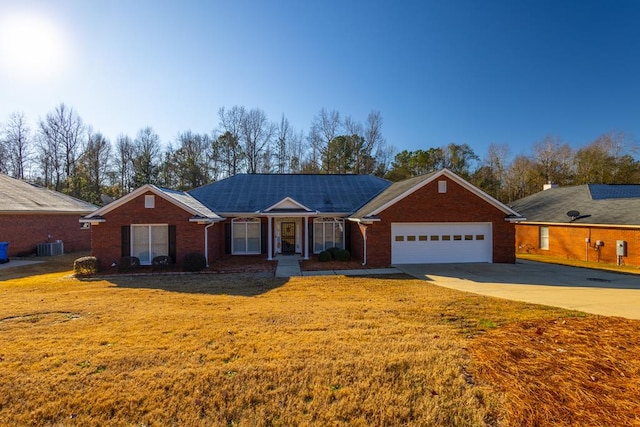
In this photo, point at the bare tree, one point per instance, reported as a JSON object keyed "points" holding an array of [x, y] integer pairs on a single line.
{"points": [[16, 141], [61, 139], [554, 159], [284, 135], [324, 128], [125, 151], [228, 142], [257, 132]]}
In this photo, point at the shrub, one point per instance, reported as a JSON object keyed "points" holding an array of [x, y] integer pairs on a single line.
{"points": [[194, 261], [333, 252], [128, 263], [86, 266], [324, 256], [160, 263], [343, 255]]}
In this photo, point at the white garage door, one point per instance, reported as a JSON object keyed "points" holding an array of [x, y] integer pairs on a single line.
{"points": [[418, 243]]}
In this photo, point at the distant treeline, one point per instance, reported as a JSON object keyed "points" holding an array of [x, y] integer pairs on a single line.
{"points": [[63, 153]]}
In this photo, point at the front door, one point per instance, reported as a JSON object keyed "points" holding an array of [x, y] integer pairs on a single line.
{"points": [[288, 237]]}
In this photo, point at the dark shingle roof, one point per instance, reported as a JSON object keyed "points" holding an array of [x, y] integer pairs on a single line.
{"points": [[596, 203], [17, 196], [318, 192]]}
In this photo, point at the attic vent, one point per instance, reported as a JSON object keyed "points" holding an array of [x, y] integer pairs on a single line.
{"points": [[150, 201], [442, 186]]}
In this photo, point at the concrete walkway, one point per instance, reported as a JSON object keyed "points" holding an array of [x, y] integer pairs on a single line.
{"points": [[288, 265], [593, 291], [17, 263]]}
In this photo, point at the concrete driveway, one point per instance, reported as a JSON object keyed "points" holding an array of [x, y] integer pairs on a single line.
{"points": [[593, 291]]}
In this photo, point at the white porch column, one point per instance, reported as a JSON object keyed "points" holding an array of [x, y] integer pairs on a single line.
{"points": [[306, 237], [269, 238]]}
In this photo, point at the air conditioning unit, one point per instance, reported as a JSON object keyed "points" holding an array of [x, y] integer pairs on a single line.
{"points": [[50, 249]]}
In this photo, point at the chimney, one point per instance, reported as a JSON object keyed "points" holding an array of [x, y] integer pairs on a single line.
{"points": [[549, 185]]}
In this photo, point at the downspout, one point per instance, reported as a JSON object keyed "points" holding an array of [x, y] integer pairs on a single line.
{"points": [[206, 242], [364, 242]]}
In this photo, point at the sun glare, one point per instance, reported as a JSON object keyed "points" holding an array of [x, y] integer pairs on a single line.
{"points": [[31, 47]]}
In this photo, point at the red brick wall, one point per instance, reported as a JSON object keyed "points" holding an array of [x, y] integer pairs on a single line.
{"points": [[569, 241], [25, 231], [106, 237], [427, 205]]}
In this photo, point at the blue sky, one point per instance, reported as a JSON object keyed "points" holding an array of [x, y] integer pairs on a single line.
{"points": [[475, 72]]}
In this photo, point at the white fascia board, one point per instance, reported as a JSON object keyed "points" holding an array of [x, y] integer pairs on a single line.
{"points": [[138, 192], [463, 183], [577, 224], [285, 200]]}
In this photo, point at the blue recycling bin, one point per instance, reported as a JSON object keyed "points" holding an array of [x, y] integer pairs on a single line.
{"points": [[3, 252]]}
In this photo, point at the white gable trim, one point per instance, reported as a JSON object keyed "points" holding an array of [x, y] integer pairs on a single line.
{"points": [[463, 183], [140, 191], [287, 203]]}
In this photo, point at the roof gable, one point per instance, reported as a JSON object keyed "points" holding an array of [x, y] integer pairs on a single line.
{"points": [[21, 197], [179, 198], [287, 204], [399, 190]]}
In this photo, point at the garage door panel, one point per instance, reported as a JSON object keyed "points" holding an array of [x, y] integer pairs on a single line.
{"points": [[416, 243]]}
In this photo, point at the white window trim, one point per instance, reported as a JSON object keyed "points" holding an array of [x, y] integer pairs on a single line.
{"points": [[339, 222], [149, 226], [149, 201], [246, 221]]}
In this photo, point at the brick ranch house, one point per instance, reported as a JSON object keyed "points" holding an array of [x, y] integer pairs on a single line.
{"points": [[30, 215], [434, 218], [591, 222]]}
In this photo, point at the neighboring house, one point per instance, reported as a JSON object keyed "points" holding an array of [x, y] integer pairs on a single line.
{"points": [[438, 217], [30, 215], [586, 222]]}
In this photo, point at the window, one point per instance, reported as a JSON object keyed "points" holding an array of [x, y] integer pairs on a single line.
{"points": [[149, 201], [479, 236], [435, 238], [457, 237], [442, 186], [544, 238], [149, 241], [411, 238], [328, 233], [422, 238], [445, 237], [245, 236], [468, 237], [399, 238]]}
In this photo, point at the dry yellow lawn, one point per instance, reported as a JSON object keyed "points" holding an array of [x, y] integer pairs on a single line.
{"points": [[229, 350]]}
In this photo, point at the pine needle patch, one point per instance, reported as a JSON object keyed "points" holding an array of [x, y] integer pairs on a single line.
{"points": [[564, 372]]}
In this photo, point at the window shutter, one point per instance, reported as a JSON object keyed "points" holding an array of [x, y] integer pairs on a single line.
{"points": [[172, 243], [125, 232], [347, 235], [263, 237], [227, 238]]}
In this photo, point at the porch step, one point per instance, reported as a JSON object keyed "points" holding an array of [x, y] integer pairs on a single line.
{"points": [[288, 265]]}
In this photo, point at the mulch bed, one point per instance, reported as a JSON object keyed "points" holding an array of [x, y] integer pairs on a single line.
{"points": [[312, 264]]}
